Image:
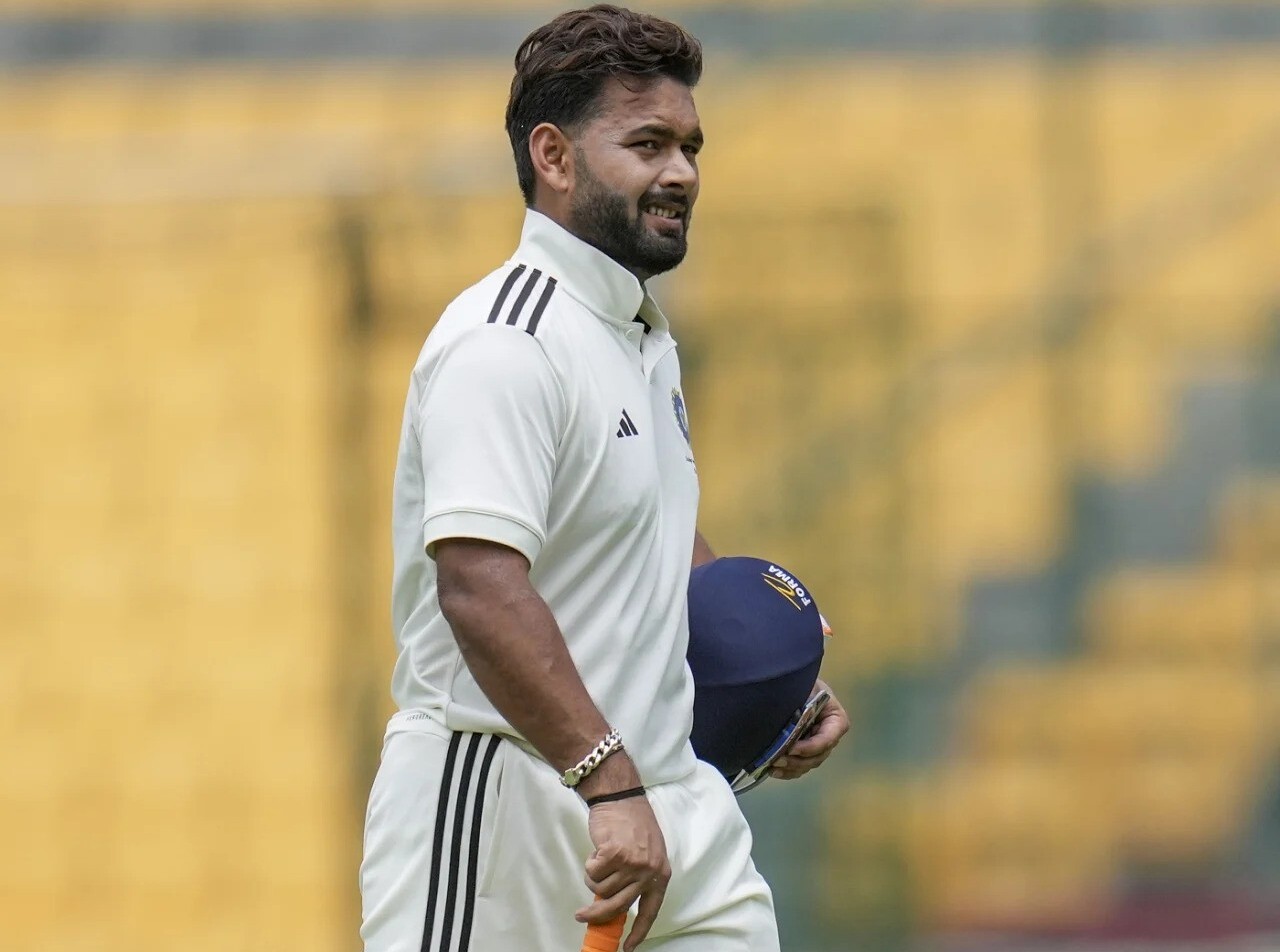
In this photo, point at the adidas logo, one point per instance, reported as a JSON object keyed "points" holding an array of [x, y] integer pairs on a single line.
{"points": [[626, 427]]}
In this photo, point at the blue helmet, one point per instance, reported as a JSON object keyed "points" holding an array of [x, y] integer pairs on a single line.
{"points": [[755, 646]]}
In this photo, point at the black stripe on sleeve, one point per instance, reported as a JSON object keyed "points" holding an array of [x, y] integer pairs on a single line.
{"points": [[507, 285], [547, 291], [455, 855], [437, 844], [468, 909], [525, 291]]}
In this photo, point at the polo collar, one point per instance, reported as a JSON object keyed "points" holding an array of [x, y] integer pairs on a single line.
{"points": [[587, 274]]}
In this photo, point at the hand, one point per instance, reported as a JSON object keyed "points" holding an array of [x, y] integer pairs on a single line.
{"points": [[816, 746], [629, 862]]}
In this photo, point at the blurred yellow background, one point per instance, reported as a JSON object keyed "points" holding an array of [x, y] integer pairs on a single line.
{"points": [[981, 337]]}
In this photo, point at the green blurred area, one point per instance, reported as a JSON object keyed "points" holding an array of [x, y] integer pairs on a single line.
{"points": [[984, 348]]}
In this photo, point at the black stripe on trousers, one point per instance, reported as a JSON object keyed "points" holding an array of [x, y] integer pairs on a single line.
{"points": [[459, 811], [455, 854], [437, 844], [464, 940]]}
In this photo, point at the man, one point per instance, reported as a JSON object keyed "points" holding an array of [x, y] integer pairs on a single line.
{"points": [[544, 527]]}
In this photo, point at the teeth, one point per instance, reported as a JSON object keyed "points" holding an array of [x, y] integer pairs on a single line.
{"points": [[662, 212]]}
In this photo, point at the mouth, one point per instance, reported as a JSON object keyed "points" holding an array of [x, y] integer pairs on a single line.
{"points": [[665, 216]]}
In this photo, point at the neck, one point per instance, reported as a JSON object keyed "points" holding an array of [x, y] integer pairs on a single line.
{"points": [[558, 212]]}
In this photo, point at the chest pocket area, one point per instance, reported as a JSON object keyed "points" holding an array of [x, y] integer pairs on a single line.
{"points": [[608, 485], [627, 471]]}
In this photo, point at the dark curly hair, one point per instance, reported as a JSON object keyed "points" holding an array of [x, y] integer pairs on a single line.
{"points": [[560, 68]]}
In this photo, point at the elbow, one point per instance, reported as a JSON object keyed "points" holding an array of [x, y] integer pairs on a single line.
{"points": [[458, 605], [465, 615]]}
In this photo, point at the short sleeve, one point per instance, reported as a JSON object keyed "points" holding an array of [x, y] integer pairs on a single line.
{"points": [[490, 416]]}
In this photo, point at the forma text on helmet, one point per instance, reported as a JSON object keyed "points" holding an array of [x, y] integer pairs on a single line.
{"points": [[792, 584]]}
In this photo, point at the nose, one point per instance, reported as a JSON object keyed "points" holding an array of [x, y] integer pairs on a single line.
{"points": [[680, 172]]}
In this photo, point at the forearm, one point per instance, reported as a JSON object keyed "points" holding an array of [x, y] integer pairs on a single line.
{"points": [[514, 649]]}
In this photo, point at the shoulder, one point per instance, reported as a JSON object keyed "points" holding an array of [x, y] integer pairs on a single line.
{"points": [[516, 295], [515, 308], [475, 350], [527, 298]]}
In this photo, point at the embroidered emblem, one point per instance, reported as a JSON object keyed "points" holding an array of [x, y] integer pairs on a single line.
{"points": [[682, 418]]}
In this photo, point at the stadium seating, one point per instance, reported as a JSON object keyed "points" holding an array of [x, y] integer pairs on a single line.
{"points": [[1249, 524], [1168, 751], [1025, 714], [1189, 745], [1013, 846], [167, 477], [874, 401], [1206, 618]]}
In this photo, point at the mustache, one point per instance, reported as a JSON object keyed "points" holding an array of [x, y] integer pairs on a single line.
{"points": [[677, 199]]}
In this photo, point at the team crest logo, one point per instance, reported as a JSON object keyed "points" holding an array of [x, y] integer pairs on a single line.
{"points": [[682, 417], [786, 586]]}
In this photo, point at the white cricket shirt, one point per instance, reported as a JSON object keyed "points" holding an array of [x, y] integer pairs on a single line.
{"points": [[542, 416]]}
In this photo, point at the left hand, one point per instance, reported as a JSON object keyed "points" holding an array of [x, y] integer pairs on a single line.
{"points": [[816, 746]]}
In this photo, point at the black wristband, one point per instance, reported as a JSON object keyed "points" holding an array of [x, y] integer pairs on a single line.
{"points": [[619, 795]]}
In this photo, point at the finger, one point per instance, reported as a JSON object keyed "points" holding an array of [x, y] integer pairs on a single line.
{"points": [[789, 773], [806, 757], [604, 888], [647, 911], [603, 910], [811, 747], [793, 766], [802, 763], [833, 722], [808, 763], [602, 864], [826, 734]]}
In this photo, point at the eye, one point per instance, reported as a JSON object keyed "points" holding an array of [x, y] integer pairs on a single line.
{"points": [[648, 145], [692, 150]]}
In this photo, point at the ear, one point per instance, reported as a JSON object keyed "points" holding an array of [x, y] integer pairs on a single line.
{"points": [[552, 156]]}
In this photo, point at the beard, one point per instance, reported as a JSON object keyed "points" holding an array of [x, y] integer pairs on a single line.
{"points": [[601, 217]]}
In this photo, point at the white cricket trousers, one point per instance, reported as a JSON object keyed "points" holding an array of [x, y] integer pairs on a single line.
{"points": [[471, 844]]}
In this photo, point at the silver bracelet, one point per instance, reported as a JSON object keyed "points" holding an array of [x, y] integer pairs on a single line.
{"points": [[612, 743]]}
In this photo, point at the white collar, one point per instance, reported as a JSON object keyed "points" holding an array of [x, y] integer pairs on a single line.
{"points": [[587, 274]]}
